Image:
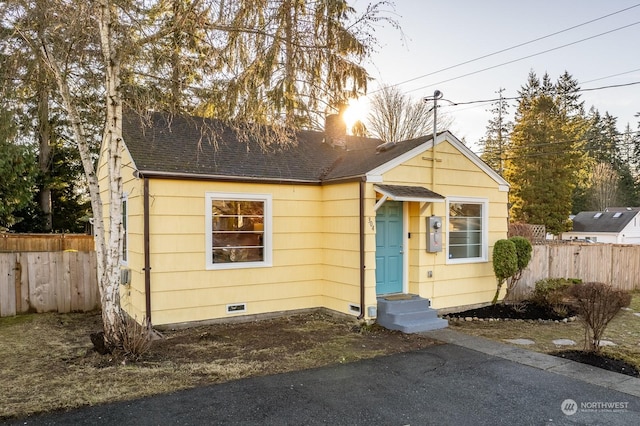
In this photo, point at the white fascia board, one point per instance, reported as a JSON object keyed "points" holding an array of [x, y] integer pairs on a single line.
{"points": [[382, 169], [133, 162], [374, 178], [375, 175]]}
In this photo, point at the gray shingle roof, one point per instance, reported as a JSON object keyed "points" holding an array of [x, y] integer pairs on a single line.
{"points": [[182, 145], [602, 221], [402, 191]]}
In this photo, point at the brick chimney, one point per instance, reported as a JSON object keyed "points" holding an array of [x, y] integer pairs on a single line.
{"points": [[335, 131]]}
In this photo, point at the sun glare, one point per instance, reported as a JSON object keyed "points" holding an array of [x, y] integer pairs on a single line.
{"points": [[357, 110]]}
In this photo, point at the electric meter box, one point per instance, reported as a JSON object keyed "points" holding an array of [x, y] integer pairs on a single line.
{"points": [[434, 236]]}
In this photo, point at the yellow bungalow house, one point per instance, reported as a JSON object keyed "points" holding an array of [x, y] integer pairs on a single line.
{"points": [[345, 223]]}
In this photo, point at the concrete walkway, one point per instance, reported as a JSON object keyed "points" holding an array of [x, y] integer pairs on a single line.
{"points": [[553, 364], [466, 381]]}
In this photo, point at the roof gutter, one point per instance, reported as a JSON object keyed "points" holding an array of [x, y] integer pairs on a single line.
{"points": [[221, 178], [362, 245]]}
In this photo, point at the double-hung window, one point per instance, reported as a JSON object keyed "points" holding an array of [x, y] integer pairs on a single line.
{"points": [[467, 231], [238, 230]]}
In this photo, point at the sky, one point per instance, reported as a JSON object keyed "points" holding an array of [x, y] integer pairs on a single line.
{"points": [[445, 33]]}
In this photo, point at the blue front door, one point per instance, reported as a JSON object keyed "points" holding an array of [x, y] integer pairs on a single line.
{"points": [[389, 248]]}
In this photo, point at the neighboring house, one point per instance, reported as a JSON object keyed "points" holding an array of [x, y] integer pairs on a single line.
{"points": [[615, 225], [331, 221]]}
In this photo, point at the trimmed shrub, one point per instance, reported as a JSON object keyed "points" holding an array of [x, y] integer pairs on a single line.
{"points": [[553, 291], [523, 251], [505, 263], [523, 255], [597, 304]]}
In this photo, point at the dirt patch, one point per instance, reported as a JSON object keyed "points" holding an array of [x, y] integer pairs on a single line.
{"points": [[48, 362]]}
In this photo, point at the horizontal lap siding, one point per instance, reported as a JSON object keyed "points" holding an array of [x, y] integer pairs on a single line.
{"points": [[182, 288], [456, 176], [341, 244]]}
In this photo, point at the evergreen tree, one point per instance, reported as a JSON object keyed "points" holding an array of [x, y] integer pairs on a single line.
{"points": [[17, 173], [568, 93], [528, 92], [545, 155]]}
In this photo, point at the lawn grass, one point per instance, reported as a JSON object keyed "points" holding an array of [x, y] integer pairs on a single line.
{"points": [[47, 362]]}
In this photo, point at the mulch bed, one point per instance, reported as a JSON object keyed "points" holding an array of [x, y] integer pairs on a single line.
{"points": [[532, 311], [525, 311], [600, 361]]}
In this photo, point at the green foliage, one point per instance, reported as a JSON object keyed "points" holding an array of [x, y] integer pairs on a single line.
{"points": [[505, 263], [505, 259], [598, 304], [552, 292], [17, 173], [545, 154], [523, 251], [70, 206], [523, 257]]}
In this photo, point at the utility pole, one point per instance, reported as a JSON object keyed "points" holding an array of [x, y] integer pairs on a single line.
{"points": [[436, 95], [500, 142]]}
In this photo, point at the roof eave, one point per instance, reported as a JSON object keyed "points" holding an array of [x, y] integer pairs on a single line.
{"points": [[156, 174]]}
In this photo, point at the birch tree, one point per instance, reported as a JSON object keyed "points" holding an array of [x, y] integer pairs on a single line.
{"points": [[272, 62]]}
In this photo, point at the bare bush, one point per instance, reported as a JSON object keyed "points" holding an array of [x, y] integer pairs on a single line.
{"points": [[520, 229], [597, 304], [136, 338]]}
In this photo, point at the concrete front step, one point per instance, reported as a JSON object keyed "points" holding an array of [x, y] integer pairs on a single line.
{"points": [[408, 313]]}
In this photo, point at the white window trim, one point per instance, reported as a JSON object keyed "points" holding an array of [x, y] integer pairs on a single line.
{"points": [[485, 230], [268, 230], [125, 230]]}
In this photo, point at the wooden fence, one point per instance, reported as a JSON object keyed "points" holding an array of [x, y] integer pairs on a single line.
{"points": [[45, 242], [48, 281], [615, 264]]}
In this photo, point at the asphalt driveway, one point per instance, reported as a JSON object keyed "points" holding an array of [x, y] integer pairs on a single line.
{"points": [[448, 384]]}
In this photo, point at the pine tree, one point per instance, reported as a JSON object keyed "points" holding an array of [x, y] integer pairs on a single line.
{"points": [[17, 172], [545, 154]]}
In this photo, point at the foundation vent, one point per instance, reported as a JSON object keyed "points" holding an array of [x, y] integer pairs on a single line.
{"points": [[236, 308]]}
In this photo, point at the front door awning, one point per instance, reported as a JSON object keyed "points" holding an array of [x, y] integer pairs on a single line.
{"points": [[406, 193]]}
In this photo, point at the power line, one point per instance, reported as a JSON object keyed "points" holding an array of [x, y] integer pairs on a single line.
{"points": [[514, 98], [524, 57], [611, 76], [510, 48], [508, 147]]}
